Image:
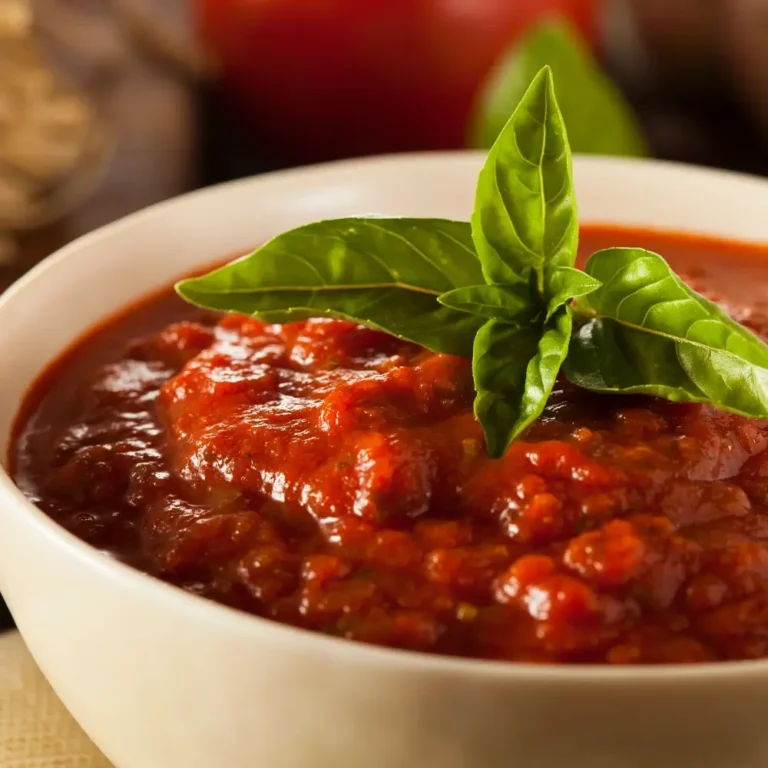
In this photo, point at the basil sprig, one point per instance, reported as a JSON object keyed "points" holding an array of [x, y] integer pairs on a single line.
{"points": [[526, 231], [501, 289], [386, 273], [663, 339], [525, 219], [513, 389]]}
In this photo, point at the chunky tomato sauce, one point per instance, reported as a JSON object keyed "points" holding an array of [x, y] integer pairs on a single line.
{"points": [[333, 478]]}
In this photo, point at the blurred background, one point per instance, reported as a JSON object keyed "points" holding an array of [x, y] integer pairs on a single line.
{"points": [[107, 106]]}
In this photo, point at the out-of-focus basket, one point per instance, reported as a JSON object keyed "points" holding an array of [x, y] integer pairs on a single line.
{"points": [[55, 143]]}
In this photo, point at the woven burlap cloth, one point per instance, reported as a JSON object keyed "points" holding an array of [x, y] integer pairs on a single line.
{"points": [[35, 729]]}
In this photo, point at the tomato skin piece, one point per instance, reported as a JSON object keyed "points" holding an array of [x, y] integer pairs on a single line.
{"points": [[323, 79]]}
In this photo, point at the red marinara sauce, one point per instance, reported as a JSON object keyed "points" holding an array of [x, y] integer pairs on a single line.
{"points": [[333, 478]]}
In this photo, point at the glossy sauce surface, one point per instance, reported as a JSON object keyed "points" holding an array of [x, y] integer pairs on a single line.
{"points": [[331, 477]]}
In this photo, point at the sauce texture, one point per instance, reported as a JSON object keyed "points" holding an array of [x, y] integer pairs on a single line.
{"points": [[331, 477]]}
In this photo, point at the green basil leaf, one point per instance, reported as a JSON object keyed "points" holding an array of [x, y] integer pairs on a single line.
{"points": [[651, 334], [386, 273], [566, 283], [515, 369], [525, 208], [503, 302], [598, 117]]}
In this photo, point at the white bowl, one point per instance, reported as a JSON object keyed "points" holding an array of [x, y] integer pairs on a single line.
{"points": [[163, 679]]}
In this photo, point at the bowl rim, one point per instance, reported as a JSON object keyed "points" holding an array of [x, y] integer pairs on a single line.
{"points": [[197, 608]]}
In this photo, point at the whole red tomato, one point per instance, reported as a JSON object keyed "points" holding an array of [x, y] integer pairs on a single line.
{"points": [[321, 79]]}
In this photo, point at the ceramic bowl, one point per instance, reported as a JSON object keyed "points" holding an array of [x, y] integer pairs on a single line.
{"points": [[163, 679]]}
